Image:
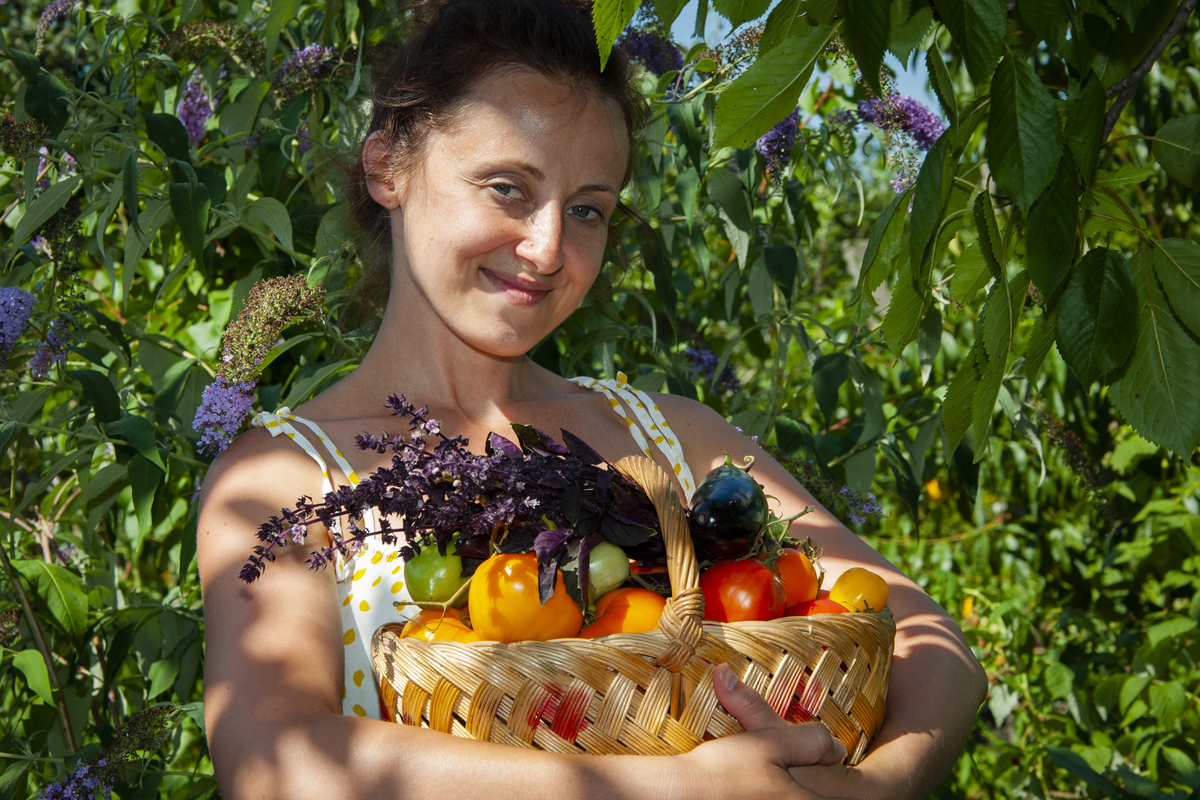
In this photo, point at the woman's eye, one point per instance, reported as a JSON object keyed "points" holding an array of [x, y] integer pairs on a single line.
{"points": [[586, 212], [505, 189]]}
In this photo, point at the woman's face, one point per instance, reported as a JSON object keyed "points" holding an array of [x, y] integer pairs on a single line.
{"points": [[501, 227]]}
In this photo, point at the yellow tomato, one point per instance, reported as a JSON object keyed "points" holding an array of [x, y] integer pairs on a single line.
{"points": [[627, 610], [860, 589], [505, 606], [436, 625]]}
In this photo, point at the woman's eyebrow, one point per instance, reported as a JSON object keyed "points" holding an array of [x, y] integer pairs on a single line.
{"points": [[541, 176]]}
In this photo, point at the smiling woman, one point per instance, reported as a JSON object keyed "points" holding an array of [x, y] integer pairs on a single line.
{"points": [[492, 170]]}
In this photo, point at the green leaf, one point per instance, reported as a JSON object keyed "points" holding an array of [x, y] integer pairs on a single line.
{"points": [[783, 264], [1075, 765], [1050, 232], [1182, 763], [1177, 149], [1060, 680], [99, 391], [1170, 629], [187, 543], [279, 14], [998, 321], [33, 667], [61, 590], [789, 18], [1025, 137], [47, 204], [668, 10], [929, 202], [727, 191], [829, 372], [189, 204], [1085, 122], [958, 407], [866, 31], [794, 436], [610, 18], [943, 86], [1177, 264], [162, 674], [27, 63], [769, 90], [761, 289], [978, 28], [989, 233], [971, 273], [1167, 702], [1159, 392], [906, 483], [1040, 342], [129, 176], [140, 434], [47, 100], [883, 247], [929, 342], [157, 213], [1095, 315], [739, 12], [268, 215], [907, 29], [1131, 689], [903, 320], [166, 131], [104, 479], [144, 478]]}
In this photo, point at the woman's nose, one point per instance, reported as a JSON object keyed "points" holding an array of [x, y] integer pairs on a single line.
{"points": [[542, 244]]}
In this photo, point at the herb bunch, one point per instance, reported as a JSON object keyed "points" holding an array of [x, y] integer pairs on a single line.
{"points": [[558, 500]]}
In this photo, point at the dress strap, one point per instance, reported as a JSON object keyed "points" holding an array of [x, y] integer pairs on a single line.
{"points": [[650, 418]]}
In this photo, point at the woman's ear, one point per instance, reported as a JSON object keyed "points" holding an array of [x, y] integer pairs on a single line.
{"points": [[376, 156]]}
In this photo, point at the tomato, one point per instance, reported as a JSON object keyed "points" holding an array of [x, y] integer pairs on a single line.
{"points": [[436, 625], [608, 568], [738, 591], [505, 606], [860, 589], [821, 605], [628, 610], [798, 575], [728, 513], [434, 578]]}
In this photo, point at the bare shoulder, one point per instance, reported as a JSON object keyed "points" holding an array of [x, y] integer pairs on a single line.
{"points": [[705, 435]]}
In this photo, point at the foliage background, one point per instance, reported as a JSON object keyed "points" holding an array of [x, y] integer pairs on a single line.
{"points": [[1063, 539]]}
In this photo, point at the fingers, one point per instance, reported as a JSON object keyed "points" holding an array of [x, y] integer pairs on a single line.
{"points": [[803, 745], [746, 705]]}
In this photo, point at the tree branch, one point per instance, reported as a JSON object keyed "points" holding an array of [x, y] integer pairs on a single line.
{"points": [[1124, 89]]}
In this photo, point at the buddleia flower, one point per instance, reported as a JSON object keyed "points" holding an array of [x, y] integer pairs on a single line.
{"points": [[15, 307], [304, 68], [195, 108], [646, 42], [51, 14], [776, 144]]}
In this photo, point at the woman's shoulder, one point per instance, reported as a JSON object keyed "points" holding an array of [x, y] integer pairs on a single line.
{"points": [[261, 470]]}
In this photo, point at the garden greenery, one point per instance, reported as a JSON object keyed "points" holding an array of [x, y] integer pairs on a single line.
{"points": [[985, 314]]}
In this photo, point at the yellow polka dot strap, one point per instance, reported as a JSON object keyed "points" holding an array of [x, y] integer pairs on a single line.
{"points": [[281, 422], [650, 418]]}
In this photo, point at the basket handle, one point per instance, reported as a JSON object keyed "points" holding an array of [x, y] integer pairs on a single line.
{"points": [[681, 618]]}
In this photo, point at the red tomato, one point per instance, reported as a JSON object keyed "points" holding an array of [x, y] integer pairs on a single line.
{"points": [[628, 610], [822, 605], [505, 605], [739, 591], [798, 575]]}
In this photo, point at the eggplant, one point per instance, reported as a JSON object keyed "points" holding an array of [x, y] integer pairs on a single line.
{"points": [[728, 513]]}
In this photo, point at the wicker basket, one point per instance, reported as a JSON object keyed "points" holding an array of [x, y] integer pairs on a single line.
{"points": [[645, 693]]}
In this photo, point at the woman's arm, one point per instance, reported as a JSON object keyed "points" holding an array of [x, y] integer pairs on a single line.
{"points": [[273, 677], [936, 683]]}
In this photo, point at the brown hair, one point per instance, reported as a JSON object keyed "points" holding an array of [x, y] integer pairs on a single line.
{"points": [[453, 44]]}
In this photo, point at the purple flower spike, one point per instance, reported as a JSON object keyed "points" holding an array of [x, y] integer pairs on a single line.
{"points": [[704, 364], [51, 14], [223, 408], [303, 68], [194, 109], [776, 144], [59, 340], [651, 50], [15, 307]]}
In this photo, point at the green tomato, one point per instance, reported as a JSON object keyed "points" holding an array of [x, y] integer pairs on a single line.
{"points": [[608, 568], [434, 578]]}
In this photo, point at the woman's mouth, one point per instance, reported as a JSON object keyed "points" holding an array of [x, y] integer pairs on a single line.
{"points": [[519, 292]]}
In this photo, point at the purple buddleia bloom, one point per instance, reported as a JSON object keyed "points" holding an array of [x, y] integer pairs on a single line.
{"points": [[60, 337], [303, 68], [87, 782], [650, 49], [776, 144], [223, 408], [15, 307], [194, 109], [51, 14], [923, 124], [704, 364]]}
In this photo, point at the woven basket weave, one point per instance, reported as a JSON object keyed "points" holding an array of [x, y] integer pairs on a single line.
{"points": [[644, 693]]}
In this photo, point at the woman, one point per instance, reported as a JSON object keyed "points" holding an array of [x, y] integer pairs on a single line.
{"points": [[497, 154]]}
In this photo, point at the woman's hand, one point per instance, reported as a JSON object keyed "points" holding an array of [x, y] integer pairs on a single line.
{"points": [[727, 767]]}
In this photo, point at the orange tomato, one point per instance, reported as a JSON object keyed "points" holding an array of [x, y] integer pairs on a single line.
{"points": [[628, 610], [505, 606], [821, 605], [798, 576], [434, 625], [860, 589]]}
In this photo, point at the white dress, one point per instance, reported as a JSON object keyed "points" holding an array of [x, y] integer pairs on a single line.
{"points": [[370, 583]]}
